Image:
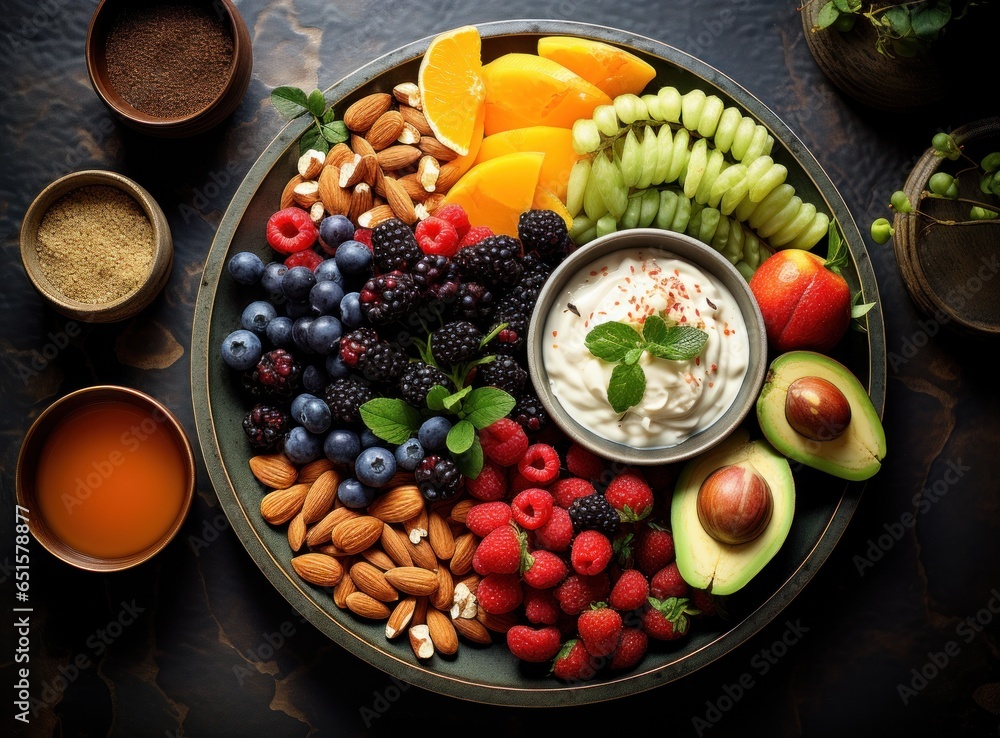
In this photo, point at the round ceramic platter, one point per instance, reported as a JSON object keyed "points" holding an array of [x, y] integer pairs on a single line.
{"points": [[491, 674]]}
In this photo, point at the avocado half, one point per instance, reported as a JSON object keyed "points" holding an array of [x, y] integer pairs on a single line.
{"points": [[722, 568], [855, 455]]}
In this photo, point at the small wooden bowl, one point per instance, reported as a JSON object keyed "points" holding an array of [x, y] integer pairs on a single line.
{"points": [[127, 306], [34, 442], [190, 125], [952, 272]]}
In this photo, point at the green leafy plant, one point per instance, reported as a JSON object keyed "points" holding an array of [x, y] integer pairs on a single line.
{"points": [[944, 185], [326, 130], [622, 345], [902, 28]]}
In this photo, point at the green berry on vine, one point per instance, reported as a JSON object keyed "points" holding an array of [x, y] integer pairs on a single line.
{"points": [[945, 146], [881, 230], [900, 202], [978, 213], [943, 185]]}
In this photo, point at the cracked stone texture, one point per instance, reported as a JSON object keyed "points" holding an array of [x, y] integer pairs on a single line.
{"points": [[216, 650]]}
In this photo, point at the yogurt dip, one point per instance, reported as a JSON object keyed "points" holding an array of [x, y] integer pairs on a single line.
{"points": [[682, 398]]}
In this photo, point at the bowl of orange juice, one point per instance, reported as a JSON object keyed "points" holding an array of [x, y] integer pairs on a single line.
{"points": [[105, 478]]}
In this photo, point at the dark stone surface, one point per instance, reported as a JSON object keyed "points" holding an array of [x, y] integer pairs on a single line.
{"points": [[214, 650]]}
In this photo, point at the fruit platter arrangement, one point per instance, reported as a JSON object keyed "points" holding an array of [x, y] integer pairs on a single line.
{"points": [[364, 400]]}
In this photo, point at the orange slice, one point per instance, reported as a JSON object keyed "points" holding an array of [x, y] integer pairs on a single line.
{"points": [[610, 69], [556, 143], [545, 199], [451, 86], [494, 193]]}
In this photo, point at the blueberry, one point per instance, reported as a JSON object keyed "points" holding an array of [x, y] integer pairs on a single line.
{"points": [[334, 230], [279, 331], [328, 271], [375, 466], [271, 279], [324, 334], [314, 414], [342, 446], [353, 258], [336, 367], [301, 446], [246, 268], [300, 333], [314, 378], [241, 349], [298, 401], [409, 454], [257, 315], [369, 439], [355, 494], [296, 309], [350, 310], [297, 282], [325, 297], [433, 432]]}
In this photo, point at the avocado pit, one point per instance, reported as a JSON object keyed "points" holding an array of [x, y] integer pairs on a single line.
{"points": [[817, 409], [734, 504]]}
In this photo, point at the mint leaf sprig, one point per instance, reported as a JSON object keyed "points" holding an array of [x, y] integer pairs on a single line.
{"points": [[292, 103], [621, 344]]}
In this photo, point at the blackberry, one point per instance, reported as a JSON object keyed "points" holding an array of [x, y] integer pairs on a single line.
{"points": [[355, 345], [416, 381], [594, 512], [534, 272], [544, 231], [529, 412], [388, 297], [266, 426], [394, 246], [384, 362], [276, 376], [495, 261], [344, 397], [503, 373], [473, 302], [437, 276], [438, 478], [455, 343]]}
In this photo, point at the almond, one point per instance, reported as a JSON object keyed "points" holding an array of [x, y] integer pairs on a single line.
{"points": [[344, 588], [322, 493], [407, 93], [361, 202], [420, 613], [311, 163], [350, 172], [422, 554], [439, 536], [330, 550], [416, 527], [306, 193], [435, 201], [473, 630], [465, 547], [287, 198], [373, 582], [282, 505], [378, 558], [398, 156], [320, 532], [361, 114], [398, 504], [356, 534], [378, 186], [310, 472], [431, 146], [339, 154], [393, 544], [450, 173], [427, 172], [442, 632], [318, 569], [400, 202], [443, 597], [335, 198], [400, 617], [366, 606], [361, 145], [497, 623], [274, 470], [375, 215], [296, 532], [409, 135], [317, 212], [385, 130], [460, 509], [412, 580], [420, 641], [470, 582], [417, 119], [413, 188]]}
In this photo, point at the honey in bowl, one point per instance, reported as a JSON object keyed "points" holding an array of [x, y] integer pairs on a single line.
{"points": [[110, 479]]}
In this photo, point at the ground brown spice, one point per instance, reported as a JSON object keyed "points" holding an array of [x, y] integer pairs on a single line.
{"points": [[169, 59], [95, 244]]}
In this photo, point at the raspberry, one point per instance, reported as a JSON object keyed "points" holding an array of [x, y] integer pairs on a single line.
{"points": [[532, 645], [557, 534], [543, 570], [364, 235], [667, 582], [577, 591], [632, 647], [487, 516], [591, 553], [565, 491], [519, 482], [290, 230], [306, 257], [456, 215], [504, 442], [600, 627], [583, 463], [532, 508], [499, 552], [540, 606], [499, 593], [630, 591], [436, 235], [491, 484], [540, 463], [654, 549], [474, 236], [631, 496], [574, 663]]}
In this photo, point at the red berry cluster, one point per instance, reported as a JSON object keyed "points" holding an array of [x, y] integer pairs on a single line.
{"points": [[583, 601]]}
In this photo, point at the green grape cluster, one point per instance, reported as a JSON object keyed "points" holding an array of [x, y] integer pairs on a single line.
{"points": [[716, 158]]}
